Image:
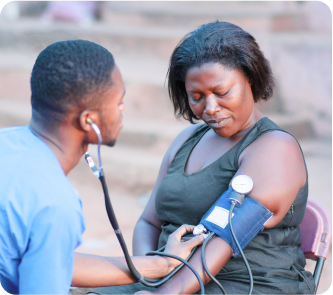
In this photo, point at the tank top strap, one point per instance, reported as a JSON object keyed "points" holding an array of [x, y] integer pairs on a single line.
{"points": [[198, 133], [262, 126], [186, 148]]}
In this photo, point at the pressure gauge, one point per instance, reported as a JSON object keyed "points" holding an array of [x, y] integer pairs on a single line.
{"points": [[242, 184]]}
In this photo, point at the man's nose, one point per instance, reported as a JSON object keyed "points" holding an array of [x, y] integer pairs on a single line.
{"points": [[211, 105]]}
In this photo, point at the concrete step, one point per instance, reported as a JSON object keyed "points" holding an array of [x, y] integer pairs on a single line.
{"points": [[148, 107], [146, 131], [144, 67], [195, 7], [262, 16], [146, 97], [28, 35]]}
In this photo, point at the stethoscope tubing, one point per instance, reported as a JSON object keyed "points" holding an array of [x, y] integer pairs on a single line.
{"points": [[232, 207], [113, 220], [145, 281], [203, 257], [153, 282]]}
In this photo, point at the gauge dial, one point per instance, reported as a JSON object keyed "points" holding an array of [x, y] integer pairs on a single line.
{"points": [[242, 184]]}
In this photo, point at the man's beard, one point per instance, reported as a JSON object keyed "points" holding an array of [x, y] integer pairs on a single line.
{"points": [[106, 141], [110, 143]]}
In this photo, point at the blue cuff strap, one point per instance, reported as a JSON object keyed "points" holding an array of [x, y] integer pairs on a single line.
{"points": [[247, 220]]}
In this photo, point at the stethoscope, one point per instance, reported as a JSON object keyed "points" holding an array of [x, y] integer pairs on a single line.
{"points": [[99, 173]]}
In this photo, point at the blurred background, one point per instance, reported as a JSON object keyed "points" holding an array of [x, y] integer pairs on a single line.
{"points": [[296, 36]]}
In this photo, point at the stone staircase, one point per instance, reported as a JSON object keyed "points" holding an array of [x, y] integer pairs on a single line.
{"points": [[142, 35], [254, 15]]}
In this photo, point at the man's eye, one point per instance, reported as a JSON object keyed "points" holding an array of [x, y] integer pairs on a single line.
{"points": [[121, 106]]}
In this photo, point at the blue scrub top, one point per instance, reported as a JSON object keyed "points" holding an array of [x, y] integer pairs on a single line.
{"points": [[41, 221]]}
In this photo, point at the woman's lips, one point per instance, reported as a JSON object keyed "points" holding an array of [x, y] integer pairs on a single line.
{"points": [[218, 123]]}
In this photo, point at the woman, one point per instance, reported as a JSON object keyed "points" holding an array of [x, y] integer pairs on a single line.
{"points": [[217, 74]]}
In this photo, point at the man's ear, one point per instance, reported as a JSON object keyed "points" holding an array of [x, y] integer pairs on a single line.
{"points": [[83, 119]]}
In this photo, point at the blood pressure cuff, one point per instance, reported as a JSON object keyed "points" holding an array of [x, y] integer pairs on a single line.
{"points": [[248, 219]]}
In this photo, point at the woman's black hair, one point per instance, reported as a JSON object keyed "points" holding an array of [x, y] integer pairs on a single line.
{"points": [[69, 75], [223, 43]]}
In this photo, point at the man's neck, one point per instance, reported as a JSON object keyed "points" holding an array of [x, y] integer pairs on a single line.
{"points": [[64, 140]]}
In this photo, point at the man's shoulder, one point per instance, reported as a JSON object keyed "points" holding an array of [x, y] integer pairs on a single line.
{"points": [[19, 144], [15, 134], [31, 177], [26, 158], [11, 129]]}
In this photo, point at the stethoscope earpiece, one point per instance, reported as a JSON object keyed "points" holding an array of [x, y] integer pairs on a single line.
{"points": [[99, 137]]}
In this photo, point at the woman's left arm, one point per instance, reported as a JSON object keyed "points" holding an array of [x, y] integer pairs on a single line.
{"points": [[217, 254], [275, 164]]}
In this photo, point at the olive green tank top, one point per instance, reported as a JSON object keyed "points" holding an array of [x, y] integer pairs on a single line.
{"points": [[275, 256]]}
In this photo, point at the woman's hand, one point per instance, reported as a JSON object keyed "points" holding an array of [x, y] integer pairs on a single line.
{"points": [[176, 246]]}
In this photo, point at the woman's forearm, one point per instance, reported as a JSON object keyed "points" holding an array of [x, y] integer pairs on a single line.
{"points": [[217, 254], [145, 238], [98, 271]]}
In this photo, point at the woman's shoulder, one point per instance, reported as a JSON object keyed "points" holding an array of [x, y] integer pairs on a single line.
{"points": [[277, 140], [277, 143], [278, 153]]}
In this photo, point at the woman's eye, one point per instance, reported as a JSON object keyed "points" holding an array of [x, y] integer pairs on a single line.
{"points": [[221, 95], [196, 98]]}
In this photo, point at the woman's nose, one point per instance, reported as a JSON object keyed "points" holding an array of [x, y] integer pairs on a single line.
{"points": [[211, 106]]}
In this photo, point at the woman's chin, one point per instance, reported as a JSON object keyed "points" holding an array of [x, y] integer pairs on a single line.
{"points": [[223, 132]]}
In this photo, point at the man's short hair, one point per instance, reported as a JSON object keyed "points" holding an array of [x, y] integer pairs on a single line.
{"points": [[69, 75]]}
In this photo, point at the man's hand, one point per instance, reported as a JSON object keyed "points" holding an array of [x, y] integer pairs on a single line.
{"points": [[179, 246], [98, 271], [176, 246]]}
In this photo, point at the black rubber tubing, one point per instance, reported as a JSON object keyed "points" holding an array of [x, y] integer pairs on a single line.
{"points": [[205, 264], [233, 204], [145, 281]]}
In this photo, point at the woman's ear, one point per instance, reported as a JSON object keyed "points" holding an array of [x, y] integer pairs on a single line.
{"points": [[84, 119]]}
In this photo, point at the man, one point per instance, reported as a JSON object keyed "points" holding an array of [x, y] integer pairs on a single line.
{"points": [[41, 216]]}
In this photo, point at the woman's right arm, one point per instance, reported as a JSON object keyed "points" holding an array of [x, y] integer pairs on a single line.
{"points": [[148, 227]]}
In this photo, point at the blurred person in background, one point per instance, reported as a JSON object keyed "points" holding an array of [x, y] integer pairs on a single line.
{"points": [[81, 12], [77, 12]]}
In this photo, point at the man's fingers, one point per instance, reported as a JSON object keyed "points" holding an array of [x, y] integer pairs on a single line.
{"points": [[185, 239], [184, 229], [196, 241]]}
